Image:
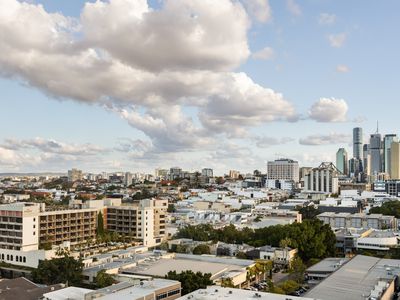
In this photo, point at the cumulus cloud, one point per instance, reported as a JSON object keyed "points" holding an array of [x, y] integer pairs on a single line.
{"points": [[266, 53], [265, 141], [337, 40], [259, 10], [293, 7], [329, 110], [146, 65], [325, 139], [53, 146], [342, 69], [326, 19]]}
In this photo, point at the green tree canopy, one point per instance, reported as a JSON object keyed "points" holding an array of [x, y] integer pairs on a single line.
{"points": [[201, 249], [65, 269], [312, 238], [103, 279], [390, 208], [100, 225], [190, 281]]}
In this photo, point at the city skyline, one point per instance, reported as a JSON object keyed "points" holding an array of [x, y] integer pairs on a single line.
{"points": [[225, 85]]}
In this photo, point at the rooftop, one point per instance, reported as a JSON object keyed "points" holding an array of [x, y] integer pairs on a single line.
{"points": [[217, 292], [357, 279], [328, 265]]}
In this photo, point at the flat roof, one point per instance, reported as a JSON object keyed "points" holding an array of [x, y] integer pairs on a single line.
{"points": [[217, 292], [329, 264], [68, 293], [356, 279], [127, 290], [196, 263]]}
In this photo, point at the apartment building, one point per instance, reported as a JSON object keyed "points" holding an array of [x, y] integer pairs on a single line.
{"points": [[76, 226], [19, 226], [358, 220], [144, 220]]}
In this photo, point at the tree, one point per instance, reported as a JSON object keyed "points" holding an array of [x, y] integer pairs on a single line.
{"points": [[201, 249], [103, 279], [190, 281], [297, 269], [390, 208], [171, 208], [64, 269], [289, 286], [227, 283], [100, 225], [309, 212]]}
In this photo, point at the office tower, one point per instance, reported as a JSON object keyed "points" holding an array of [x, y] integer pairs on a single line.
{"points": [[357, 142], [207, 172], [322, 179], [128, 178], [175, 172], [375, 150], [366, 160], [387, 142], [395, 160], [74, 175], [283, 169], [341, 161]]}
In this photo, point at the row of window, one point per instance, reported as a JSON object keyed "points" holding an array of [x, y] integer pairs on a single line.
{"points": [[168, 294], [10, 257]]}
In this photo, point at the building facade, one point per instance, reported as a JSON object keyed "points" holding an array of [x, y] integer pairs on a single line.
{"points": [[283, 169], [322, 179], [144, 221], [341, 161]]}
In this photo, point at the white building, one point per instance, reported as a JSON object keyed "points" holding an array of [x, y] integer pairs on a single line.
{"points": [[322, 179], [283, 169]]}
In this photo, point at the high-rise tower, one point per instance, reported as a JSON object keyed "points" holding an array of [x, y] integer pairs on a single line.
{"points": [[357, 142]]}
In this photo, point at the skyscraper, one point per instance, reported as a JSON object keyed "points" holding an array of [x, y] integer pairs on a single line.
{"points": [[366, 160], [357, 142], [387, 142], [375, 149], [395, 160], [341, 161]]}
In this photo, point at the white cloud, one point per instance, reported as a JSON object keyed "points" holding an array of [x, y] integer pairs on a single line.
{"points": [[342, 69], [265, 141], [266, 53], [195, 34], [326, 19], [293, 7], [326, 139], [259, 9], [337, 40], [53, 146], [329, 110], [147, 64]]}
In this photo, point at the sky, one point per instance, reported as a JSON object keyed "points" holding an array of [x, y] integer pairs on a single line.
{"points": [[134, 85]]}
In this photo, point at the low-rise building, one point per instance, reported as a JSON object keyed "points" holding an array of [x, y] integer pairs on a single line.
{"points": [[358, 220], [218, 293], [363, 277], [156, 289]]}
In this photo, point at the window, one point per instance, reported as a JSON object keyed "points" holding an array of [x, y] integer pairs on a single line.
{"points": [[17, 258], [24, 259], [174, 292], [161, 296]]}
